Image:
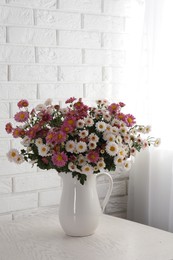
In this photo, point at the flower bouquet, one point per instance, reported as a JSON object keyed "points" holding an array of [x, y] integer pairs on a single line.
{"points": [[78, 138]]}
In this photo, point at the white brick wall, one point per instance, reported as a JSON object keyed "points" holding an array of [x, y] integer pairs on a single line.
{"points": [[57, 49]]}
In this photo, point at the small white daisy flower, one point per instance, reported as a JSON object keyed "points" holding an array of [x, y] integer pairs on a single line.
{"points": [[93, 137], [107, 117], [133, 151], [48, 102], [83, 133], [112, 148], [110, 138], [101, 164], [119, 139], [147, 129], [92, 145], [122, 153], [157, 142], [80, 123], [19, 159], [115, 130], [118, 160], [26, 141], [123, 130], [72, 167], [43, 150], [81, 147], [38, 142], [101, 126], [81, 160], [89, 121], [40, 107], [70, 146], [12, 155], [127, 165], [127, 138], [109, 128], [87, 169]]}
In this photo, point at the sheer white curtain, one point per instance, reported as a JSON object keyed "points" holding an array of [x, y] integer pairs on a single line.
{"points": [[150, 199]]}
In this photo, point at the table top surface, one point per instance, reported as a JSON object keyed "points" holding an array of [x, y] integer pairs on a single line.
{"points": [[42, 238]]}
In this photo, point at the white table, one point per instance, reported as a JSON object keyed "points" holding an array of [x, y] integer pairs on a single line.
{"points": [[41, 238]]}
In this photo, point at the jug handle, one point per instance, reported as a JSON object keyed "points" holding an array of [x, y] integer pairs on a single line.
{"points": [[110, 188]]}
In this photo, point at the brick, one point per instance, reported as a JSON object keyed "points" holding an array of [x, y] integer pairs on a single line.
{"points": [[34, 3], [21, 91], [104, 57], [10, 168], [116, 204], [14, 15], [3, 91], [16, 54], [58, 19], [79, 39], [113, 74], [2, 34], [60, 90], [103, 23], [31, 36], [33, 73], [4, 108], [96, 91], [5, 218], [59, 56], [4, 147], [83, 74], [5, 185], [115, 41], [50, 198], [118, 7], [81, 5], [3, 72], [36, 181], [17, 202]]}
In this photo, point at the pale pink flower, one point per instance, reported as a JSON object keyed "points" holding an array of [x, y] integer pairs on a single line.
{"points": [[21, 116], [59, 159]]}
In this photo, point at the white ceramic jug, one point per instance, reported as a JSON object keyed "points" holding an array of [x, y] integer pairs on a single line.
{"points": [[80, 207]]}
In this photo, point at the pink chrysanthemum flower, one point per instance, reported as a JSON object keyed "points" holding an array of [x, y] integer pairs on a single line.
{"points": [[17, 132], [22, 103], [59, 137], [129, 120], [93, 156], [114, 108], [50, 137], [21, 116], [70, 100], [9, 128], [59, 159]]}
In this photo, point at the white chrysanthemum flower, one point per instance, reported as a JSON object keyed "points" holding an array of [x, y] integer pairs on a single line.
{"points": [[107, 117], [101, 126], [101, 164], [115, 122], [127, 165], [157, 142], [87, 169], [80, 123], [133, 131], [70, 146], [40, 107], [83, 133], [89, 121], [115, 130], [48, 102], [147, 129], [93, 137], [12, 155], [141, 129], [109, 128], [118, 139], [110, 138], [112, 148], [81, 160], [26, 141], [118, 160], [105, 134], [81, 147], [72, 167], [133, 151], [122, 153], [43, 150], [127, 138], [38, 142], [123, 130], [92, 145], [64, 110], [19, 159], [144, 144]]}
